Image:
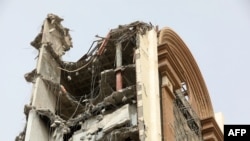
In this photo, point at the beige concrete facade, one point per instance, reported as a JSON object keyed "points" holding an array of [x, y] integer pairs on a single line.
{"points": [[147, 80], [219, 117]]}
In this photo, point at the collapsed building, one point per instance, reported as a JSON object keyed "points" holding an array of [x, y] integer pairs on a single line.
{"points": [[137, 83]]}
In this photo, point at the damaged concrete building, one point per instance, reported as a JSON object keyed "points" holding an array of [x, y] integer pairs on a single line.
{"points": [[138, 83]]}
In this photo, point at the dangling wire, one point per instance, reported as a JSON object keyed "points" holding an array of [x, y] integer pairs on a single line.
{"points": [[79, 102], [95, 72], [82, 67], [58, 103]]}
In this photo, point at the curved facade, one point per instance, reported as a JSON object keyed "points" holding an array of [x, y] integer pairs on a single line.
{"points": [[178, 70]]}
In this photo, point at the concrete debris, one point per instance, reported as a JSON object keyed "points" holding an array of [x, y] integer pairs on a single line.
{"points": [[37, 41], [52, 28], [27, 109], [31, 76], [21, 136], [56, 122], [96, 128], [55, 21]]}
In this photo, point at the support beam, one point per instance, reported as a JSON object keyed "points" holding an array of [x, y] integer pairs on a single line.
{"points": [[118, 66], [147, 79]]}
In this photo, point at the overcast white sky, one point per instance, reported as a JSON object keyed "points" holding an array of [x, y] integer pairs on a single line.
{"points": [[216, 31]]}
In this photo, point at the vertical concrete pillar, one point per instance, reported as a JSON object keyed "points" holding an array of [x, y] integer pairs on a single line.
{"points": [[148, 95], [42, 97], [118, 66], [47, 68]]}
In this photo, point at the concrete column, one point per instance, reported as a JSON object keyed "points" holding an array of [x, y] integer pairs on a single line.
{"points": [[118, 66], [148, 95], [43, 98]]}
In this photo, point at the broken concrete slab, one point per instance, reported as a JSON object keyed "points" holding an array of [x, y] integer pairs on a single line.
{"points": [[100, 125]]}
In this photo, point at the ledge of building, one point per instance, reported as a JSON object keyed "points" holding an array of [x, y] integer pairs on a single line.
{"points": [[211, 130]]}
